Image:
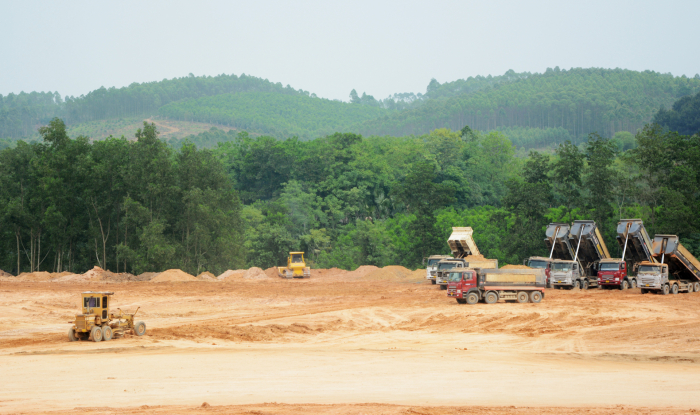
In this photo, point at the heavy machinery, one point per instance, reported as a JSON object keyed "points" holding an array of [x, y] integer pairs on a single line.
{"points": [[636, 248], [565, 268], [613, 273], [543, 263], [96, 323], [431, 266], [463, 247], [469, 286], [445, 266], [675, 270], [590, 250], [461, 242], [296, 267]]}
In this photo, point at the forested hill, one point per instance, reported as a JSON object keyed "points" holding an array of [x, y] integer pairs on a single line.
{"points": [[579, 101]]}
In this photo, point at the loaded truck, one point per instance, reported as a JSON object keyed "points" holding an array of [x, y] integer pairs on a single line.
{"points": [[469, 286], [445, 266], [675, 270], [431, 266], [636, 248]]}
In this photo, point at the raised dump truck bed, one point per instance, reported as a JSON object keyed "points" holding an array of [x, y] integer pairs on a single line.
{"points": [[558, 237], [638, 244], [462, 243], [682, 264], [592, 247]]}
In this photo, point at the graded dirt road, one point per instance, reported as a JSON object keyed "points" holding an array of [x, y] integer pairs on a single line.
{"points": [[338, 346]]}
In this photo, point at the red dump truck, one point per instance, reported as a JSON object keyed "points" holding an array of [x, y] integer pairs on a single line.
{"points": [[469, 286]]}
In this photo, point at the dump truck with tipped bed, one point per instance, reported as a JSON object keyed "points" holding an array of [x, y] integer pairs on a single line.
{"points": [[636, 248], [469, 286], [565, 270], [612, 273], [431, 266], [676, 269], [462, 243], [471, 262], [589, 250]]}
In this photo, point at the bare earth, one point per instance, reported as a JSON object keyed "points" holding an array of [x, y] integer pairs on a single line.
{"points": [[336, 345]]}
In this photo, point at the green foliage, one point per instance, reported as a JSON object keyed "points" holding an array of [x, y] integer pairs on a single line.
{"points": [[683, 117]]}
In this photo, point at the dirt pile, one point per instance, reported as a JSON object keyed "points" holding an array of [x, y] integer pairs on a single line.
{"points": [[363, 270], [515, 267], [4, 274], [174, 275], [255, 273], [233, 274], [147, 276], [206, 276], [34, 276], [94, 275], [272, 272], [395, 273]]}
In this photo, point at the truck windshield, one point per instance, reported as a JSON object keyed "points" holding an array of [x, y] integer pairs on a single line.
{"points": [[455, 277], [433, 262], [649, 268], [561, 266], [537, 264], [446, 265], [609, 266]]}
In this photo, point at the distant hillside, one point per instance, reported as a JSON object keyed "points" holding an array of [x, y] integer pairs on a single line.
{"points": [[578, 100], [684, 115], [274, 114]]}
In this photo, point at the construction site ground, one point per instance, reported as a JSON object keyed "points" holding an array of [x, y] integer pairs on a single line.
{"points": [[333, 344]]}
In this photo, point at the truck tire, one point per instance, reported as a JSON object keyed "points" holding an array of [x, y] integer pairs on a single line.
{"points": [[96, 334], [472, 298], [490, 297], [644, 291], [522, 297], [443, 287], [633, 284], [584, 285], [697, 287], [107, 333], [665, 290], [690, 287], [433, 281], [461, 300], [624, 285], [535, 296], [140, 328], [72, 336], [577, 285], [674, 290]]}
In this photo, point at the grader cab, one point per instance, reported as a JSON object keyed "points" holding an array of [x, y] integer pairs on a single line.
{"points": [[296, 267], [96, 323]]}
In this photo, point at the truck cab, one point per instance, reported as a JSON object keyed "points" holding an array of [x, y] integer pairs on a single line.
{"points": [[544, 263], [431, 266], [612, 273], [565, 274], [462, 285], [444, 267]]}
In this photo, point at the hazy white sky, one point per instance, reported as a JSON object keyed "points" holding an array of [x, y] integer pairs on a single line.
{"points": [[331, 47]]}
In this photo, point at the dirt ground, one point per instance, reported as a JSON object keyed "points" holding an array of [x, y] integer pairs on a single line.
{"points": [[333, 344]]}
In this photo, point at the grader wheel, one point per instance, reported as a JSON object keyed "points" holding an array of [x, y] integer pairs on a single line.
{"points": [[140, 328], [96, 334], [107, 333], [72, 336]]}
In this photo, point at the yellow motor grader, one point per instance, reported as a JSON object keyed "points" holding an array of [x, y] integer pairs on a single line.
{"points": [[96, 323], [296, 267]]}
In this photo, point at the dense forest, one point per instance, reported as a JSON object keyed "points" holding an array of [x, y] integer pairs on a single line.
{"points": [[535, 110], [147, 205]]}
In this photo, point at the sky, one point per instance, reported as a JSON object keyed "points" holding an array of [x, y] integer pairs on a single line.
{"points": [[331, 47]]}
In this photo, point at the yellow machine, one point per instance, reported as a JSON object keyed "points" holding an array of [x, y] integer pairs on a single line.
{"points": [[96, 323], [296, 267]]}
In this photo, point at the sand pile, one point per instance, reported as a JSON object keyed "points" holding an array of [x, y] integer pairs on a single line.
{"points": [[174, 275], [147, 276], [233, 274], [4, 274], [34, 276], [515, 267], [255, 273], [395, 273], [363, 270], [272, 272], [206, 276], [94, 275]]}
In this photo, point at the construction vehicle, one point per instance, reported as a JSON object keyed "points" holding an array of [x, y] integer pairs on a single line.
{"points": [[461, 242], [566, 269], [612, 273], [590, 250], [469, 286], [445, 266], [675, 270], [296, 267], [636, 248], [96, 323], [431, 266], [543, 263]]}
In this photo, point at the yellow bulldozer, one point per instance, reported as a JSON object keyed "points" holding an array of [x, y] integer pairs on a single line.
{"points": [[296, 267], [96, 323]]}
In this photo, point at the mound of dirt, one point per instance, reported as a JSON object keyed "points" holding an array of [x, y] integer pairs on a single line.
{"points": [[174, 275], [255, 273], [206, 276], [34, 276], [147, 276], [4, 274], [272, 272], [363, 270], [94, 275], [395, 273], [515, 267], [237, 273]]}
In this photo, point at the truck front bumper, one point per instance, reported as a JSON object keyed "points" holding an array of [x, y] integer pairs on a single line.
{"points": [[454, 293]]}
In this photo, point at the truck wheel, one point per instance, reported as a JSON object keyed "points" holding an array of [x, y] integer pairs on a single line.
{"points": [[584, 286], [96, 334], [433, 281], [461, 301], [690, 287], [491, 297], [140, 328], [665, 290], [107, 333], [633, 284], [624, 285], [72, 336], [674, 290], [697, 287], [522, 297], [443, 287], [644, 291], [535, 296], [472, 298], [577, 285]]}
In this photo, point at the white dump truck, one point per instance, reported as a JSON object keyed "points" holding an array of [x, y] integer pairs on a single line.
{"points": [[676, 269]]}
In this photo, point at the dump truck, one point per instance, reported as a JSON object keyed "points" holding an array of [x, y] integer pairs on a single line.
{"points": [[96, 323], [444, 267], [431, 266], [461, 242], [296, 267], [469, 286], [675, 270], [636, 248], [565, 268], [589, 250], [612, 273]]}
